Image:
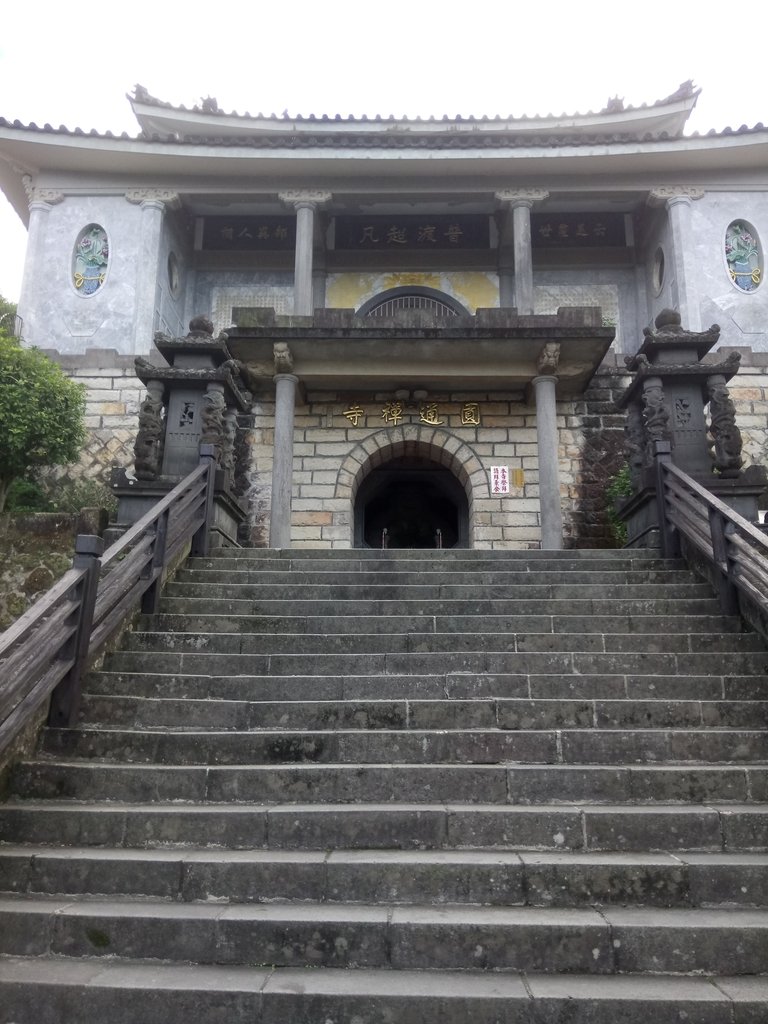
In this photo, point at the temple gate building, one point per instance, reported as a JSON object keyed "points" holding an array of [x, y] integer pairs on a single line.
{"points": [[426, 320]]}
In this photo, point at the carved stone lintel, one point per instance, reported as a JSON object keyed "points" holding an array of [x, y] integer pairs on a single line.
{"points": [[305, 197], [548, 359], [148, 449], [283, 357], [663, 194], [726, 436], [153, 195], [520, 196]]}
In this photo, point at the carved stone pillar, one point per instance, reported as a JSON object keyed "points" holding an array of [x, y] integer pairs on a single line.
{"points": [[725, 434], [544, 387], [678, 201], [148, 449], [516, 231], [153, 202], [305, 203], [282, 461], [41, 202], [655, 415]]}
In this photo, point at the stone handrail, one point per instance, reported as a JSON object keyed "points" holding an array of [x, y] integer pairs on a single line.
{"points": [[45, 652]]}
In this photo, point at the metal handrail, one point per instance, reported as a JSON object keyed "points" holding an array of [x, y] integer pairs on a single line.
{"points": [[735, 548], [45, 652]]}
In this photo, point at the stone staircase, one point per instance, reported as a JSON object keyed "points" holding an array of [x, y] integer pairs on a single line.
{"points": [[402, 786]]}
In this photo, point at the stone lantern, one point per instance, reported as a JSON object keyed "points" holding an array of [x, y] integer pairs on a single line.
{"points": [[193, 400], [667, 400]]}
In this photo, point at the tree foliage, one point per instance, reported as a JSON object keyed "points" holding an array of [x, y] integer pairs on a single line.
{"points": [[41, 413], [7, 316]]}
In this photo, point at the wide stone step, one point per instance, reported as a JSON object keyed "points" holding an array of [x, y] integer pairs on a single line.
{"points": [[449, 685], [416, 642], [422, 556], [414, 746], [334, 609], [718, 663], [559, 589], [476, 578], [514, 713], [714, 828], [492, 878], [49, 990], [357, 783], [610, 941]]}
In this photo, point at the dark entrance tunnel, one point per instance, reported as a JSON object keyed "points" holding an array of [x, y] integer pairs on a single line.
{"points": [[415, 500]]}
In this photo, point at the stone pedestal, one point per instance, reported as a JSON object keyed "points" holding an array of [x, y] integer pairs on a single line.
{"points": [[668, 400], [192, 401]]}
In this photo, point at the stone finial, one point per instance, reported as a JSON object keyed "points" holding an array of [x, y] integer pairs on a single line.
{"points": [[548, 359], [670, 329], [282, 357], [201, 324]]}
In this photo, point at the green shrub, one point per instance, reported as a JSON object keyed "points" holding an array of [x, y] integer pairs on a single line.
{"points": [[619, 486]]}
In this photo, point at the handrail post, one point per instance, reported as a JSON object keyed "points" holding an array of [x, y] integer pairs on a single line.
{"points": [[201, 541], [150, 599], [65, 699], [726, 588], [670, 544]]}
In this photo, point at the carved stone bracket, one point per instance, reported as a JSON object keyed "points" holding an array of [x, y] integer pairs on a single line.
{"points": [[305, 197], [283, 357], [521, 196], [663, 194], [725, 434], [549, 357], [52, 196], [153, 195]]}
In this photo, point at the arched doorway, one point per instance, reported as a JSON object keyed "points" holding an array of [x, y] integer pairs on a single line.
{"points": [[411, 502]]}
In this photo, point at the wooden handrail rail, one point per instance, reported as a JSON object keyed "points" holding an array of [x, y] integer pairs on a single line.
{"points": [[735, 548], [70, 624]]}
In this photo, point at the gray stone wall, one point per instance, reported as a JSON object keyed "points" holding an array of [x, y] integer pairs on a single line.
{"points": [[54, 313]]}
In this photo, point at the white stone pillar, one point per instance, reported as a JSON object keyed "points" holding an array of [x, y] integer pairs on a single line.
{"points": [[678, 202], [153, 203], [518, 205], [305, 203], [544, 387], [282, 461], [41, 202]]}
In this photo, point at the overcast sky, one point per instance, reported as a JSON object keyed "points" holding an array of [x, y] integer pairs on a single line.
{"points": [[73, 64]]}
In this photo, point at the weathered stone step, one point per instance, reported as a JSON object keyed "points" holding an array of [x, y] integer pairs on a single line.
{"points": [[448, 685], [378, 643], [434, 579], [426, 556], [558, 589], [504, 713], [610, 941], [386, 783], [740, 663], [471, 624], [714, 828], [330, 610], [492, 878], [51, 990], [414, 746]]}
